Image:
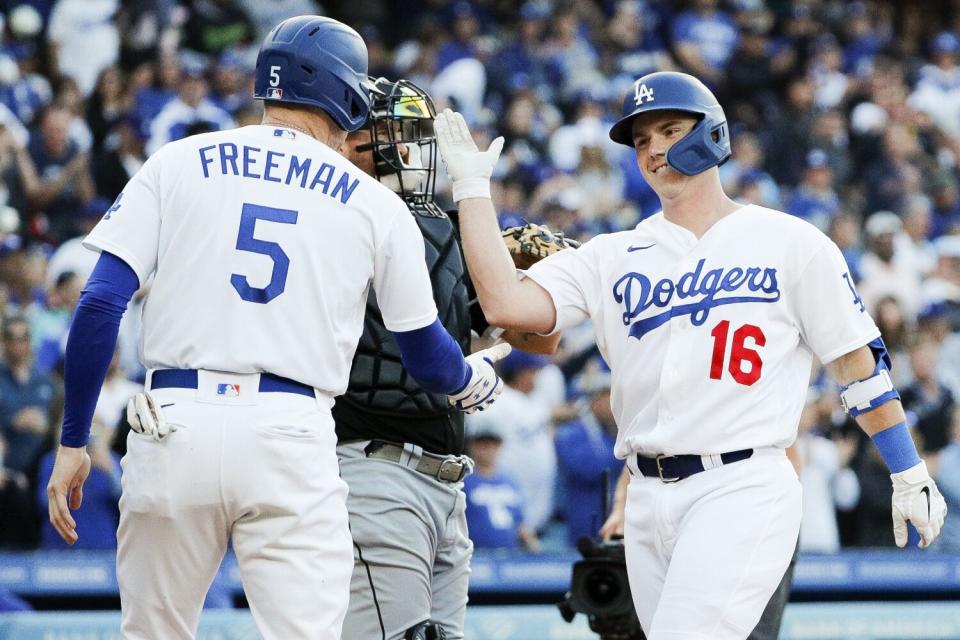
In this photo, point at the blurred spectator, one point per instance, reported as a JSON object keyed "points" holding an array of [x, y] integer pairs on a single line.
{"points": [[160, 84], [17, 514], [144, 24], [65, 183], [50, 324], [521, 61], [829, 134], [25, 91], [814, 199], [584, 453], [18, 176], [826, 73], [896, 173], [895, 332], [947, 476], [99, 514], [634, 29], [872, 513], [945, 216], [523, 416], [913, 244], [943, 284], [937, 92], [215, 25], [704, 39], [190, 107], [107, 106], [464, 29], [786, 139], [121, 158], [572, 55], [928, 398], [25, 397], [84, 39], [231, 83], [828, 482], [494, 502], [844, 230], [882, 272], [747, 164]]}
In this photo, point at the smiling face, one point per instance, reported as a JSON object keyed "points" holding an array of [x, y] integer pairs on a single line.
{"points": [[654, 133]]}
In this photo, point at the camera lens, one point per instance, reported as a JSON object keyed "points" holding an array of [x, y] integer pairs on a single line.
{"points": [[603, 587]]}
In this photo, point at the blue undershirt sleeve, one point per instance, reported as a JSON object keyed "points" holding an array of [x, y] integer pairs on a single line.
{"points": [[90, 344], [433, 358]]}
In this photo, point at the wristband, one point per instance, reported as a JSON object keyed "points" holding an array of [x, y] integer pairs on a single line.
{"points": [[471, 188], [897, 448]]}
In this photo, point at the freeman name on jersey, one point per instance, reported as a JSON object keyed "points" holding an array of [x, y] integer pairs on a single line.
{"points": [[276, 166], [637, 294]]}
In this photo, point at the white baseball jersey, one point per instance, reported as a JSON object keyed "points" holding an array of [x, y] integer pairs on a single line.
{"points": [[710, 340], [264, 243]]}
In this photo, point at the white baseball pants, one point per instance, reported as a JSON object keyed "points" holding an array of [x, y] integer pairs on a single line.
{"points": [[705, 554], [257, 469]]}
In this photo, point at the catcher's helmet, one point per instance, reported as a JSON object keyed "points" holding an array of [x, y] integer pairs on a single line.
{"points": [[401, 113], [708, 143], [319, 62]]}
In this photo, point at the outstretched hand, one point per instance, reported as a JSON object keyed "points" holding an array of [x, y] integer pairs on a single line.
{"points": [[468, 167]]}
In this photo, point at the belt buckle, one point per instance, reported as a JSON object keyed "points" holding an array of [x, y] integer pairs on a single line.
{"points": [[659, 458], [451, 470]]}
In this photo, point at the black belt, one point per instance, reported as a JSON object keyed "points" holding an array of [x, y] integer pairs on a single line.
{"points": [[445, 468], [675, 468], [187, 379]]}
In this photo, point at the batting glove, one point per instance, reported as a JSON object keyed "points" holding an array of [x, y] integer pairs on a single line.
{"points": [[468, 167], [484, 384], [144, 417], [916, 499]]}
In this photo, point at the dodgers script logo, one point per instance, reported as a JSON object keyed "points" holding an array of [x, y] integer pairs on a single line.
{"points": [[714, 288]]}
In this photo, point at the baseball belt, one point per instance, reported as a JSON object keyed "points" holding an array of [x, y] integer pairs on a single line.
{"points": [[445, 468], [188, 379], [676, 468]]}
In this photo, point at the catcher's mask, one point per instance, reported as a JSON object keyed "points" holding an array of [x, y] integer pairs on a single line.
{"points": [[401, 139]]}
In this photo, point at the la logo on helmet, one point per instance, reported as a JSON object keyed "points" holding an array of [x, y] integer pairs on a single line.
{"points": [[642, 93]]}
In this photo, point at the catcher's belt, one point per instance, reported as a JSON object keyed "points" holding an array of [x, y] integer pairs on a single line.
{"points": [[444, 468]]}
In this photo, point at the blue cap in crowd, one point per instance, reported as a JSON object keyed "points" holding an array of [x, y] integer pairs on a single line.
{"points": [[946, 42], [518, 360]]}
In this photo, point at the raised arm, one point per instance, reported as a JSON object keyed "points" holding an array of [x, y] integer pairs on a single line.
{"points": [[507, 300]]}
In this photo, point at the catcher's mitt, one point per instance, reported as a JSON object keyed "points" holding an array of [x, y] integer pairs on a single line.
{"points": [[531, 243]]}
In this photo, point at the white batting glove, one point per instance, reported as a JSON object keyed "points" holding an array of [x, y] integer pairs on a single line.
{"points": [[468, 167], [144, 417], [484, 385], [916, 499]]}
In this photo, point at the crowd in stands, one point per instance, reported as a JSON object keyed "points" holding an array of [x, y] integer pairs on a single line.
{"points": [[846, 114]]}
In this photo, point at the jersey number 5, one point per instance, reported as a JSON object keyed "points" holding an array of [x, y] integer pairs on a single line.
{"points": [[246, 242], [739, 352]]}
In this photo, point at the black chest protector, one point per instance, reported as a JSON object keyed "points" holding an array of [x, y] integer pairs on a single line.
{"points": [[382, 400]]}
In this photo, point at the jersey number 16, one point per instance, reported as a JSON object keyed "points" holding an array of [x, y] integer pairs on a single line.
{"points": [[745, 363]]}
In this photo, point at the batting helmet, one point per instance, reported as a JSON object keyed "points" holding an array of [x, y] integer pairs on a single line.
{"points": [[708, 143], [318, 62]]}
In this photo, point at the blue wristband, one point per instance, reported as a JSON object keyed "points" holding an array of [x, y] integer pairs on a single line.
{"points": [[897, 448]]}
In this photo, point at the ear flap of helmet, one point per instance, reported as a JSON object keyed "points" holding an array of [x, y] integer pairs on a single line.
{"points": [[704, 147]]}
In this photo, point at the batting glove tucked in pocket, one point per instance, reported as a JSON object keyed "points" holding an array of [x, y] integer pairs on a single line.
{"points": [[144, 417], [484, 384], [917, 499]]}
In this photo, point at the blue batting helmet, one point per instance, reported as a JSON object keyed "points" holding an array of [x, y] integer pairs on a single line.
{"points": [[708, 143], [318, 62]]}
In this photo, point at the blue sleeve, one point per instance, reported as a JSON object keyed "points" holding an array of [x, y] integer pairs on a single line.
{"points": [[433, 358], [90, 344]]}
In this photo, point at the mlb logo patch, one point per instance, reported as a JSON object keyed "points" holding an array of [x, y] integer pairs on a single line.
{"points": [[228, 390], [275, 93], [284, 133]]}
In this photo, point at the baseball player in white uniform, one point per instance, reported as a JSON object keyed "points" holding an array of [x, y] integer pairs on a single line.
{"points": [[263, 243], [709, 314]]}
